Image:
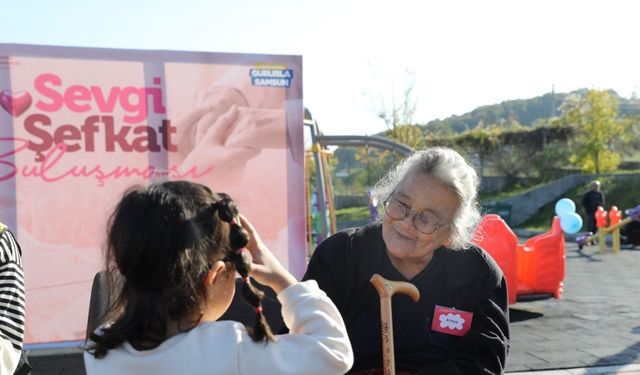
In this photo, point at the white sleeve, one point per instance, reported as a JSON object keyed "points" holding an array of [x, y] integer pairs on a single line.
{"points": [[9, 357], [317, 342]]}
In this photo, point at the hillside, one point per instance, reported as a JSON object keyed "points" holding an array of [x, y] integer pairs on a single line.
{"points": [[524, 111]]}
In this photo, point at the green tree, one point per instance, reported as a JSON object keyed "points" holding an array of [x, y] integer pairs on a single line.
{"points": [[512, 157], [410, 135], [595, 117], [376, 163], [630, 140], [481, 141], [550, 160]]}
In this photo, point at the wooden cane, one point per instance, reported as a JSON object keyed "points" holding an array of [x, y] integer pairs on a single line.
{"points": [[386, 289]]}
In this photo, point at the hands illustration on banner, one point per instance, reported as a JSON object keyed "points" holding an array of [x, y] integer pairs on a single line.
{"points": [[207, 106], [221, 130]]}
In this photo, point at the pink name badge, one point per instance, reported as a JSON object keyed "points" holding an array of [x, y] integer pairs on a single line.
{"points": [[451, 321]]}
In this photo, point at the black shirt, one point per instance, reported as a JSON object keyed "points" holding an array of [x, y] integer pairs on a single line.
{"points": [[591, 200], [468, 280]]}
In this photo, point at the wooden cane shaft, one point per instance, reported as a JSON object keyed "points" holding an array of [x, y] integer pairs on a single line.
{"points": [[386, 289], [386, 319]]}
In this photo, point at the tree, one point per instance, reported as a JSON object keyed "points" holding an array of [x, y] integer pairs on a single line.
{"points": [[595, 117], [376, 163], [409, 135], [397, 106], [548, 162], [481, 141], [630, 140], [516, 147]]}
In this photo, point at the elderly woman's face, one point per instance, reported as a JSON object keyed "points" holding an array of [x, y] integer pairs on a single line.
{"points": [[427, 197]]}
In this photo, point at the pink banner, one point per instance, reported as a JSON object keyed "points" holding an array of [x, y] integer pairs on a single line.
{"points": [[78, 126]]}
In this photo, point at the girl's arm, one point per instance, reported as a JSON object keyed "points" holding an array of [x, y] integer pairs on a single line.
{"points": [[317, 342]]}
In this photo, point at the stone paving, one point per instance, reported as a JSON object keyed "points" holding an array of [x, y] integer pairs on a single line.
{"points": [[595, 324]]}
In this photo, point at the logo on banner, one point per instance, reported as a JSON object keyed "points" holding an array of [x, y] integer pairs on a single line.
{"points": [[451, 321], [271, 76]]}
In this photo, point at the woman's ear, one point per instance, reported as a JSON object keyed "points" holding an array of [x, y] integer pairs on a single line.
{"points": [[447, 242], [218, 268]]}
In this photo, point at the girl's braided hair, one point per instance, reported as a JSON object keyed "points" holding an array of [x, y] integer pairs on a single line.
{"points": [[161, 243], [238, 239]]}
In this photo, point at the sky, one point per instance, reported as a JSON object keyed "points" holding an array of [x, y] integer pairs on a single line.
{"points": [[462, 53]]}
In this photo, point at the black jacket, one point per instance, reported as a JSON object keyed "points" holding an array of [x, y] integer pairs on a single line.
{"points": [[591, 200], [468, 280]]}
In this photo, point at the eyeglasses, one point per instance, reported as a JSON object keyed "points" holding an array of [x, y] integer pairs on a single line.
{"points": [[423, 222]]}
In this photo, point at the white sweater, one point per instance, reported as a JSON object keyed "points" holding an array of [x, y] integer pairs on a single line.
{"points": [[318, 344]]}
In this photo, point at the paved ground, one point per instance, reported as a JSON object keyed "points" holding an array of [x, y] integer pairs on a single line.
{"points": [[593, 330], [596, 323], [633, 369]]}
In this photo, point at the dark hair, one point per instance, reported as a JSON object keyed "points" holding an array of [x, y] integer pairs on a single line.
{"points": [[161, 243]]}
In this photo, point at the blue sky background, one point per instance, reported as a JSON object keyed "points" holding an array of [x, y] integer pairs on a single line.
{"points": [[464, 53]]}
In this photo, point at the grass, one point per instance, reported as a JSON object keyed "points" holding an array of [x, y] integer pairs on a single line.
{"points": [[352, 213], [506, 193], [623, 193]]}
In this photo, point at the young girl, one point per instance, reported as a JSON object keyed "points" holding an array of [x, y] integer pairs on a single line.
{"points": [[172, 253]]}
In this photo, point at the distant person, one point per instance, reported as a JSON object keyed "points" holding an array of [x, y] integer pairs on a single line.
{"points": [[590, 201], [373, 205], [173, 250], [12, 305], [430, 212]]}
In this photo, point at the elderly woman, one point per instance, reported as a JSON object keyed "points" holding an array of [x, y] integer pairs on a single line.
{"points": [[424, 238]]}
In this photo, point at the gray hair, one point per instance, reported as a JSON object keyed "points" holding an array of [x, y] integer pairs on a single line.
{"points": [[452, 170]]}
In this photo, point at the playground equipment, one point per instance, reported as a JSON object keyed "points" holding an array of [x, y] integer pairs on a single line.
{"points": [[321, 221], [615, 223], [533, 270], [319, 203], [373, 205]]}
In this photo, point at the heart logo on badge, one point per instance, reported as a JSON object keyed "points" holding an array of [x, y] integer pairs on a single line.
{"points": [[15, 103]]}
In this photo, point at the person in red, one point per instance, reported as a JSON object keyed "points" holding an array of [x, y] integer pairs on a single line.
{"points": [[590, 201], [460, 325]]}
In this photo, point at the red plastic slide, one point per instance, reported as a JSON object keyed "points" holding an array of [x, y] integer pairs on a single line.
{"points": [[533, 270]]}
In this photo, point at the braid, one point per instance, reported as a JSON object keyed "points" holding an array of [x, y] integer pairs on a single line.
{"points": [[238, 239]]}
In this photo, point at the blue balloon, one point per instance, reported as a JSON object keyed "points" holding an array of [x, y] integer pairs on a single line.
{"points": [[565, 206], [571, 223]]}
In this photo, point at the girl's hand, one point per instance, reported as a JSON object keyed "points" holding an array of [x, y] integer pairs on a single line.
{"points": [[265, 268]]}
